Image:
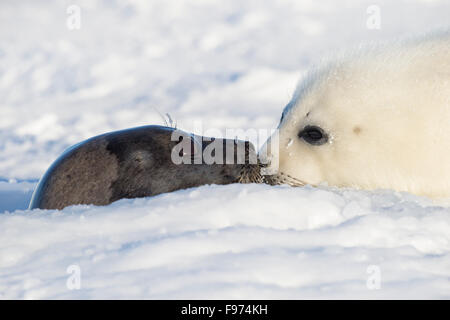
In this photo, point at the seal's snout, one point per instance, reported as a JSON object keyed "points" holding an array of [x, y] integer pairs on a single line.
{"points": [[228, 151], [239, 162], [251, 170]]}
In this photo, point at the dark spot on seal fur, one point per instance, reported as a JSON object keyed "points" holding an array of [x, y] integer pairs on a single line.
{"points": [[94, 171], [133, 152]]}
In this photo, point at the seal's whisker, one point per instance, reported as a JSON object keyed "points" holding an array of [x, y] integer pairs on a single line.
{"points": [[291, 178], [283, 178], [250, 173]]}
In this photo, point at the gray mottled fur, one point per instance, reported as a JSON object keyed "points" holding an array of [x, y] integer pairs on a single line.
{"points": [[130, 163]]}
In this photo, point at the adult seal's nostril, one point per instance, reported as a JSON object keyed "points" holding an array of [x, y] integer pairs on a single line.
{"points": [[132, 163]]}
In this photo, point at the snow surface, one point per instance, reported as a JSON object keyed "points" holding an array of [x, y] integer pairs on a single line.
{"points": [[230, 64]]}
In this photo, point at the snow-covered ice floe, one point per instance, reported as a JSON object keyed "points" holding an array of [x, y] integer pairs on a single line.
{"points": [[235, 241]]}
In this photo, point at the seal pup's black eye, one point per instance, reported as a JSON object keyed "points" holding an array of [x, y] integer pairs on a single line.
{"points": [[313, 135]]}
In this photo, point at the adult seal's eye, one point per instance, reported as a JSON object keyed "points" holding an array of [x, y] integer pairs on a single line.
{"points": [[313, 135]]}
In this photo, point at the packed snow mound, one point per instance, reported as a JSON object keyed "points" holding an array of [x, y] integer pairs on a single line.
{"points": [[232, 242]]}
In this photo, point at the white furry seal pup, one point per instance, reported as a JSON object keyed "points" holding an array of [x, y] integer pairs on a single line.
{"points": [[375, 119], [138, 162]]}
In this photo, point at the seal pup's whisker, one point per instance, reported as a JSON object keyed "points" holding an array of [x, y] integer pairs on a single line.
{"points": [[283, 178]]}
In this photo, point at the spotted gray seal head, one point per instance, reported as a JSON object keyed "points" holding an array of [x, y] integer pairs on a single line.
{"points": [[138, 162]]}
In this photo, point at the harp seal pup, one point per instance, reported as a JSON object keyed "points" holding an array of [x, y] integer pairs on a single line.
{"points": [[377, 118]]}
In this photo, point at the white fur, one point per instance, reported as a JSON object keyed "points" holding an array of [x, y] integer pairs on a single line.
{"points": [[398, 96]]}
